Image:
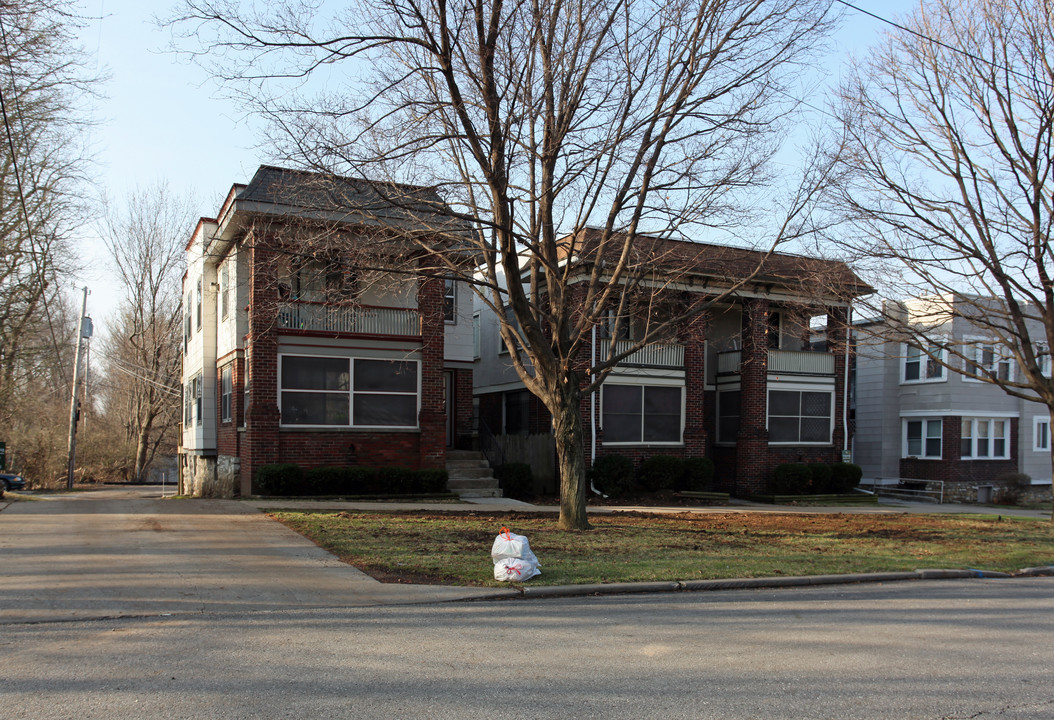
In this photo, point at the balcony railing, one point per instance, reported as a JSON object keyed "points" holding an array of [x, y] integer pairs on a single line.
{"points": [[667, 355], [352, 319], [782, 362]]}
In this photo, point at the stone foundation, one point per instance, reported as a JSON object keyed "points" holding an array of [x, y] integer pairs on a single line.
{"points": [[967, 492], [209, 476]]}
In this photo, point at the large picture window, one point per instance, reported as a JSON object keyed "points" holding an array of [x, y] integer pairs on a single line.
{"points": [[333, 391], [799, 416], [983, 438], [642, 413], [922, 438]]}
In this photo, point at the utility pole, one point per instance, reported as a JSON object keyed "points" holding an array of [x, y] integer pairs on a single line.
{"points": [[84, 331]]}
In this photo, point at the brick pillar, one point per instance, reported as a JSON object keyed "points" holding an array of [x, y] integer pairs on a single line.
{"points": [[692, 334], [262, 415], [837, 334], [752, 442], [432, 418]]}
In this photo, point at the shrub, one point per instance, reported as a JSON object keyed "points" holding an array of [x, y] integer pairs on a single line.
{"points": [[661, 472], [280, 479], [357, 480], [612, 475], [698, 474], [517, 480], [792, 479], [822, 478], [1016, 479], [845, 477]]}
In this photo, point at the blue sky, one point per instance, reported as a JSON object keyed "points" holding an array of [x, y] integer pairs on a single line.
{"points": [[162, 119]]}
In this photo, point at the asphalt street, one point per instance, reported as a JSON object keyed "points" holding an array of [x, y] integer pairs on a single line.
{"points": [[110, 637]]}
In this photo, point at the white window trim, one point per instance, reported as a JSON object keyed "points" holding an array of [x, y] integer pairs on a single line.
{"points": [[228, 393], [649, 443], [1044, 359], [904, 437], [351, 394], [801, 387], [979, 344], [1036, 422], [477, 335], [223, 296], [923, 358], [990, 422], [452, 284]]}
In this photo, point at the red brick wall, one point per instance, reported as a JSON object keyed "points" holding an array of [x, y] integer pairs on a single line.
{"points": [[462, 409], [320, 448], [228, 439], [432, 418], [752, 463], [692, 334]]}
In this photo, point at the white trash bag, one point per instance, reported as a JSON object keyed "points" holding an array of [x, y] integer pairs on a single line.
{"points": [[513, 558]]}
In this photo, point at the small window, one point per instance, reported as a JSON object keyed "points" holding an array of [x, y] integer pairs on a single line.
{"points": [[920, 366], [197, 308], [224, 291], [198, 415], [1041, 434], [728, 415], [225, 394], [922, 438], [990, 362], [450, 300], [475, 336]]}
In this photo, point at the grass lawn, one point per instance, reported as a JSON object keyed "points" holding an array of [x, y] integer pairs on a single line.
{"points": [[454, 548]]}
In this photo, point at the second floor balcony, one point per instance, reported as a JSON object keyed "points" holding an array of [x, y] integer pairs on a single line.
{"points": [[782, 362], [661, 355], [349, 319]]}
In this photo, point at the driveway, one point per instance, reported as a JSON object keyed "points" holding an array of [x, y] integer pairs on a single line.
{"points": [[128, 552]]}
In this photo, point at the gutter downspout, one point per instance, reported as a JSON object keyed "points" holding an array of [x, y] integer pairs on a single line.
{"points": [[593, 413], [845, 382]]}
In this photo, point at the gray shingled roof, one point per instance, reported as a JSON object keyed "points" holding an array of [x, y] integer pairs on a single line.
{"points": [[284, 192]]}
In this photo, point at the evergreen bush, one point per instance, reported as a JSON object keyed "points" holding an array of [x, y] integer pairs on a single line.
{"points": [[517, 480], [612, 475], [661, 472], [792, 479], [698, 474], [845, 477]]}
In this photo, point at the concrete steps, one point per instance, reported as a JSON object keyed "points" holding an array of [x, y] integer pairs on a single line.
{"points": [[470, 475]]}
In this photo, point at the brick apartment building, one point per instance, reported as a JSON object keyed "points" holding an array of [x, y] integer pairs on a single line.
{"points": [[741, 383], [298, 348]]}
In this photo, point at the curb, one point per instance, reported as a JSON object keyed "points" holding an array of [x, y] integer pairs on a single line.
{"points": [[597, 589]]}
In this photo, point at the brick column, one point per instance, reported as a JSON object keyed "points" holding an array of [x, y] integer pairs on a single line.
{"points": [[837, 334], [752, 442], [692, 334], [432, 418], [261, 364], [463, 409]]}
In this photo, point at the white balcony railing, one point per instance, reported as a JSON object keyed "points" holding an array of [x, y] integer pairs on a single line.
{"points": [[786, 362], [357, 319], [669, 355]]}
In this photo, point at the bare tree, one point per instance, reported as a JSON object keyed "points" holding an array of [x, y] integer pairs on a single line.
{"points": [[561, 132], [949, 181], [43, 83], [145, 239]]}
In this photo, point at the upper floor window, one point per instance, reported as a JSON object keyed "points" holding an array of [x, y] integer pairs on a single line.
{"points": [[772, 330], [1041, 434], [922, 438], [923, 366], [475, 336], [187, 322], [1043, 359], [989, 361], [450, 300], [800, 416], [197, 307], [224, 291], [983, 438]]}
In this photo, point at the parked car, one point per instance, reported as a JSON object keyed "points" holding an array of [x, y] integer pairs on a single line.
{"points": [[12, 482]]}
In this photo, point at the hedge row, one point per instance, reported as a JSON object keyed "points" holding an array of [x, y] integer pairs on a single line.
{"points": [[615, 475], [291, 479], [816, 478]]}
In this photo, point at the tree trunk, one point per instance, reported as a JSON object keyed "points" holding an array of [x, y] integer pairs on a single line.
{"points": [[142, 443], [567, 431]]}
